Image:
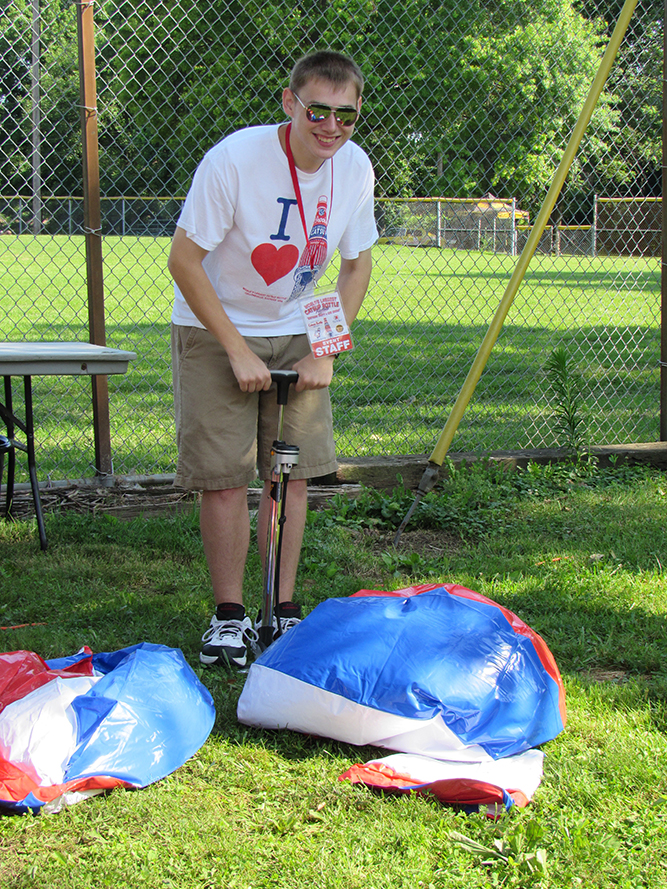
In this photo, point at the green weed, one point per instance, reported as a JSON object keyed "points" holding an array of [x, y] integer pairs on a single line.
{"points": [[566, 387]]}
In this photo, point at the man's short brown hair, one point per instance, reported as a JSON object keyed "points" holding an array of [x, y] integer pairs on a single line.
{"points": [[326, 64]]}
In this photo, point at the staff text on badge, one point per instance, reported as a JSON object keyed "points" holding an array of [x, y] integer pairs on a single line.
{"points": [[327, 329]]}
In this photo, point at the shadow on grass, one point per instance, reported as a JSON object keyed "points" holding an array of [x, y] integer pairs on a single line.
{"points": [[392, 394], [596, 595], [594, 278]]}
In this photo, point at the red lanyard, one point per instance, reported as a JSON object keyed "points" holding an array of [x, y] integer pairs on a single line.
{"points": [[297, 188]]}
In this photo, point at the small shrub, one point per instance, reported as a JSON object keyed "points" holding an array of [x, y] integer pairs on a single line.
{"points": [[565, 385]]}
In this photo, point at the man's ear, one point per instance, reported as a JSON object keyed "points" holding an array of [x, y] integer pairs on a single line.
{"points": [[288, 102]]}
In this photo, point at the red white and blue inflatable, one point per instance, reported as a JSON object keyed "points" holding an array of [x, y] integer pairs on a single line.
{"points": [[74, 727], [462, 688], [435, 671]]}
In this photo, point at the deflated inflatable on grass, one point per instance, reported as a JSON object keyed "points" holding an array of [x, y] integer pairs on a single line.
{"points": [[489, 786], [436, 671], [74, 727]]}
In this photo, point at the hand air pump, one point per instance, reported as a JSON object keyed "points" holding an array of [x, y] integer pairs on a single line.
{"points": [[284, 457]]}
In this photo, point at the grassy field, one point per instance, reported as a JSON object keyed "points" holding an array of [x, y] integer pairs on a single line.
{"points": [[578, 553], [417, 335]]}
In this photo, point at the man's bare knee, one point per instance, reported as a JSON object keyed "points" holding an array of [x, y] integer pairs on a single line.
{"points": [[226, 496]]}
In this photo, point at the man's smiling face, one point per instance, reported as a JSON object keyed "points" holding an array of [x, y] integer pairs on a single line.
{"points": [[313, 143]]}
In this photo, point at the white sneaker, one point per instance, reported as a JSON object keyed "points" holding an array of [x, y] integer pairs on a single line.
{"points": [[225, 642], [286, 623]]}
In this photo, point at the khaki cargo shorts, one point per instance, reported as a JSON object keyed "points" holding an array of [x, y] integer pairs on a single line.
{"points": [[224, 435]]}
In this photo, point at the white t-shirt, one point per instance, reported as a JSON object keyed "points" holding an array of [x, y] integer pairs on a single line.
{"points": [[241, 207]]}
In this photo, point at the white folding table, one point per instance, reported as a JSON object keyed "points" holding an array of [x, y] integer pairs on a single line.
{"points": [[28, 359]]}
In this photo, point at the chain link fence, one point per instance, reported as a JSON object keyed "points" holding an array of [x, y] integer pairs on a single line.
{"points": [[467, 109]]}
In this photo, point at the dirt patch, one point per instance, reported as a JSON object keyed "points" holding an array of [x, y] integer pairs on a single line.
{"points": [[150, 500], [124, 502], [599, 675], [429, 544], [615, 677]]}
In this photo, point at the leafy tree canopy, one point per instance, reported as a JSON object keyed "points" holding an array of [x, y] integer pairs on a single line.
{"points": [[461, 98]]}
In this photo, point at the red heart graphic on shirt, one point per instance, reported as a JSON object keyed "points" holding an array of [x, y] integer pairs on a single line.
{"points": [[273, 263]]}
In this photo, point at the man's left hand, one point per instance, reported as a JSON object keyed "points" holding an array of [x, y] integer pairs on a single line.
{"points": [[314, 373]]}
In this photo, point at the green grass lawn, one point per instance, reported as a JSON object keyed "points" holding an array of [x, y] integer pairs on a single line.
{"points": [[577, 552], [419, 330]]}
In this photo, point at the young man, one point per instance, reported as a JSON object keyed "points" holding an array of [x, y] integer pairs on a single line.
{"points": [[267, 208]]}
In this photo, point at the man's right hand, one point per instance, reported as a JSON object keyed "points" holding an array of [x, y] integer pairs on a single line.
{"points": [[250, 371]]}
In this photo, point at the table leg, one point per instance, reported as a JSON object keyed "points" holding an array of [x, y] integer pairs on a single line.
{"points": [[30, 443], [8, 417]]}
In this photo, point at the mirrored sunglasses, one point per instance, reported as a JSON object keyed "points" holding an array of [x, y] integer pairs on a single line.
{"points": [[346, 116]]}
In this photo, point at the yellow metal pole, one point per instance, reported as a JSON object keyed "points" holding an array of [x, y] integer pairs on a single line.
{"points": [[430, 476]]}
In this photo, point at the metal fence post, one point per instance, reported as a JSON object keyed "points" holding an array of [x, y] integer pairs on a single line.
{"points": [[36, 121], [93, 229], [663, 274]]}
